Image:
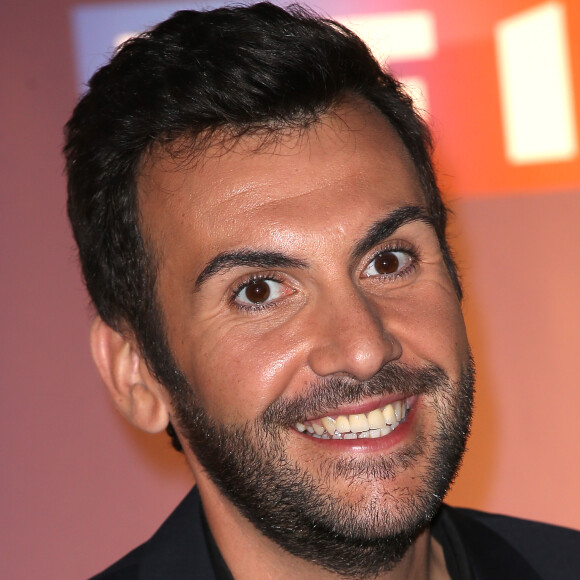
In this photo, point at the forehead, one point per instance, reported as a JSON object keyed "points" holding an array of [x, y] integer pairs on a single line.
{"points": [[329, 176]]}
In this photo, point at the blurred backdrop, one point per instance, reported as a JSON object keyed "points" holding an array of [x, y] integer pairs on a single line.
{"points": [[499, 81]]}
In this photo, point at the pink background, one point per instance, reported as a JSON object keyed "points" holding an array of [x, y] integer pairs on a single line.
{"points": [[79, 487]]}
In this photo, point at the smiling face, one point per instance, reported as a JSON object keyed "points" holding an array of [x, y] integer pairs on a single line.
{"points": [[308, 305]]}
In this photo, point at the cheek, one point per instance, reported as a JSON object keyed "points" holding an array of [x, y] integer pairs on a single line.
{"points": [[430, 326], [237, 372]]}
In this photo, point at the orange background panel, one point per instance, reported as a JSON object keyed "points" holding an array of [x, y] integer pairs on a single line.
{"points": [[464, 98]]}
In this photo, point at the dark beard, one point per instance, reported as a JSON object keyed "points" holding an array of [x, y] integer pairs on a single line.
{"points": [[296, 509]]}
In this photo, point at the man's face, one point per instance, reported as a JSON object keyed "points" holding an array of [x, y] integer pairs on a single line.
{"points": [[304, 290]]}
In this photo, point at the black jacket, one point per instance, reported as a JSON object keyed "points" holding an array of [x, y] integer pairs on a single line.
{"points": [[497, 547]]}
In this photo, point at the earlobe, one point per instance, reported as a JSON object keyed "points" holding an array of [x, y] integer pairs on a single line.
{"points": [[135, 392]]}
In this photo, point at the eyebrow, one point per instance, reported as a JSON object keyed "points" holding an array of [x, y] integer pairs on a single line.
{"points": [[378, 232], [386, 227], [248, 258]]}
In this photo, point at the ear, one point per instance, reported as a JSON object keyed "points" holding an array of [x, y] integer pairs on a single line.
{"points": [[135, 392]]}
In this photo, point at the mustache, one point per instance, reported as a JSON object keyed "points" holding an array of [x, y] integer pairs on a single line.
{"points": [[328, 393]]}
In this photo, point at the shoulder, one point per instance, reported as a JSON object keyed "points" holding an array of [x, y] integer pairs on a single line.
{"points": [[553, 552], [177, 550], [125, 569], [512, 527]]}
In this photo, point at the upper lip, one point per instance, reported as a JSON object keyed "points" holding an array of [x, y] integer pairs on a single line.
{"points": [[363, 407]]}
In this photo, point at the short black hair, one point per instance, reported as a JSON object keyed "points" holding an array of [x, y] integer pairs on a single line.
{"points": [[233, 70]]}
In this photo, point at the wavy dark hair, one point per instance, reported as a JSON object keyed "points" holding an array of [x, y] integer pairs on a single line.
{"points": [[230, 71]]}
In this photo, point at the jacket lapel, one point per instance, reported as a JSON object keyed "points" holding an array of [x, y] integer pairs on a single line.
{"points": [[178, 550], [491, 556]]}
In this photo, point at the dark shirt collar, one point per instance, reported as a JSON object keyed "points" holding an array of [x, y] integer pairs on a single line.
{"points": [[446, 533]]}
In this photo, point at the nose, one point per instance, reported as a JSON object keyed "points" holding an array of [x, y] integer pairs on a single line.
{"points": [[350, 336]]}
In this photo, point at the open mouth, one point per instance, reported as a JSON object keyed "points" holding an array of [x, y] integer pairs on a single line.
{"points": [[372, 425]]}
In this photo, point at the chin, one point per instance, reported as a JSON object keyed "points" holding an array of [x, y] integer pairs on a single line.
{"points": [[352, 508]]}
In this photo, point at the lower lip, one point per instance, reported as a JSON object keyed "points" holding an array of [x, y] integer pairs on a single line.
{"points": [[402, 432]]}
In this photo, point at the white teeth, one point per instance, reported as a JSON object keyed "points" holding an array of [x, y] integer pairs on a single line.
{"points": [[389, 414], [371, 425], [318, 429], [358, 423], [376, 419], [342, 424], [329, 424], [397, 408]]}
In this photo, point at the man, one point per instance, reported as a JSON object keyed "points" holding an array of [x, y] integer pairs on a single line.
{"points": [[263, 238]]}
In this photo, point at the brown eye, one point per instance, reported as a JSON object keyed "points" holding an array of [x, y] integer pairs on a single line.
{"points": [[261, 292], [257, 291], [387, 263]]}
